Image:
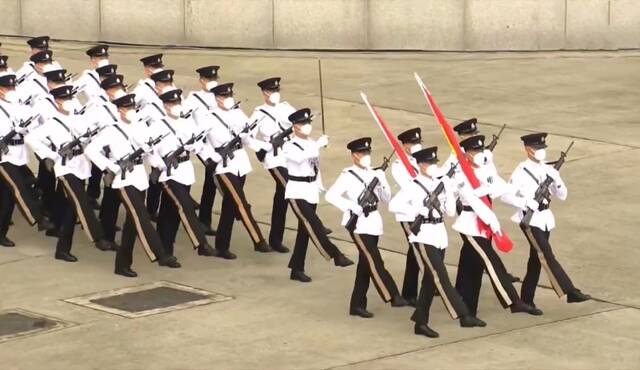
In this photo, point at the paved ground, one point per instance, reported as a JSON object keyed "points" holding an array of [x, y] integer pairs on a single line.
{"points": [[275, 323]]}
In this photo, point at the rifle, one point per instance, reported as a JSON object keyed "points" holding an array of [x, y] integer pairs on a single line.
{"points": [[278, 140], [542, 192], [28, 100], [431, 201], [171, 159], [226, 150], [4, 140], [368, 198], [495, 139], [66, 151], [22, 78], [127, 163]]}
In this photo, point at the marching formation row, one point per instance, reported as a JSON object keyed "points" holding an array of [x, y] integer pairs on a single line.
{"points": [[114, 134]]}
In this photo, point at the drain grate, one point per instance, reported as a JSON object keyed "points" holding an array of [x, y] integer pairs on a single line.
{"points": [[16, 323], [148, 299]]}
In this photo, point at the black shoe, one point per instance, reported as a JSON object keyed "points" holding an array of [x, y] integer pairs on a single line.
{"points": [[412, 301], [469, 321], [423, 329], [170, 262], [126, 272], [117, 228], [208, 230], [6, 242], [342, 261], [226, 254], [577, 296], [105, 245], [359, 311], [327, 231], [399, 301], [65, 256], [524, 307], [94, 203], [280, 248], [206, 250], [512, 278], [262, 247], [300, 276], [54, 233], [45, 224]]}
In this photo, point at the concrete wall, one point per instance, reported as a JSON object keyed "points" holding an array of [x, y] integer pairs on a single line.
{"points": [[335, 24]]}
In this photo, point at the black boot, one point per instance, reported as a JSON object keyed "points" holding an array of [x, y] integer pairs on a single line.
{"points": [[105, 245], [342, 261], [469, 321], [300, 276], [6, 242], [206, 250], [280, 248], [262, 247], [398, 301], [524, 307], [361, 312], [171, 262], [66, 256], [423, 329], [577, 296], [45, 224], [226, 254], [125, 271]]}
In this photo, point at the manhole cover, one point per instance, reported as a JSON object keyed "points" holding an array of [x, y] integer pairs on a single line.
{"points": [[148, 299], [17, 323]]}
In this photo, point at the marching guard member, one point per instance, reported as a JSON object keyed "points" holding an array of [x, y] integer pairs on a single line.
{"points": [[146, 90], [205, 100], [14, 173], [35, 87], [229, 132], [477, 253], [118, 150], [353, 181], [89, 81], [59, 142], [36, 45], [411, 142], [431, 239], [274, 129], [526, 179], [303, 187], [176, 174]]}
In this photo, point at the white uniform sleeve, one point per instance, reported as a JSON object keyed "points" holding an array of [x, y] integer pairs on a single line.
{"points": [[94, 152], [294, 154], [335, 194], [558, 187], [513, 197], [36, 139], [403, 203], [383, 191]]}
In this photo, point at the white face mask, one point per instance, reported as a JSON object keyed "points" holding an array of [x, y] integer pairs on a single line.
{"points": [[11, 96], [176, 110], [479, 159], [103, 62], [131, 115], [306, 129], [119, 94], [68, 106], [274, 98], [365, 160], [228, 103], [211, 84], [415, 148], [433, 170], [540, 154]]}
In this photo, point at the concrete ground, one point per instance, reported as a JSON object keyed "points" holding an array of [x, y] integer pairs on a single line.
{"points": [[275, 323]]}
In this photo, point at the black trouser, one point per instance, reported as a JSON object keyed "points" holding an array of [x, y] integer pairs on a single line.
{"points": [[153, 198], [476, 256], [436, 277], [78, 207], [370, 266], [235, 205], [137, 224], [59, 199], [177, 206], [279, 209], [93, 187], [46, 182], [411, 269], [309, 226], [207, 197], [7, 204], [109, 212], [541, 253], [17, 179]]}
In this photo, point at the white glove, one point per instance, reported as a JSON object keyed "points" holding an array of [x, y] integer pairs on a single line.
{"points": [[323, 141], [481, 191], [356, 209], [489, 155], [495, 226], [114, 168], [424, 211], [532, 204], [216, 157]]}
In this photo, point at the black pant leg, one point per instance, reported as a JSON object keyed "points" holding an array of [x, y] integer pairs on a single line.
{"points": [[23, 194], [382, 280], [411, 269], [531, 278], [153, 198], [361, 284], [180, 197], [124, 255], [208, 196], [167, 222], [46, 182], [75, 191], [425, 299], [470, 272], [7, 205], [279, 209], [93, 187], [233, 189], [306, 212], [67, 227], [296, 262], [109, 212]]}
